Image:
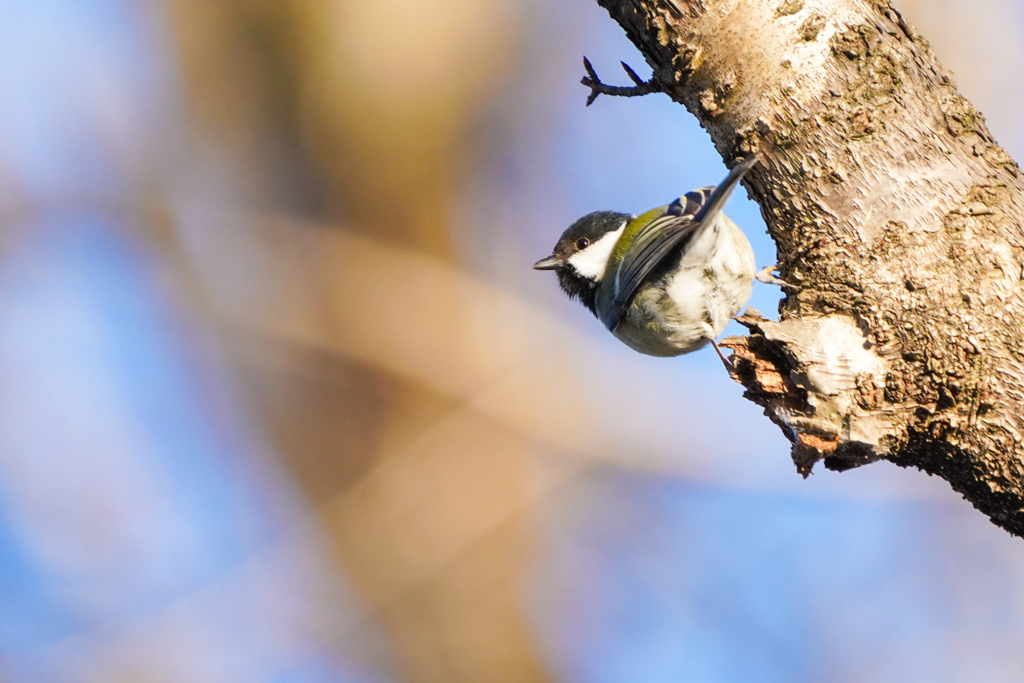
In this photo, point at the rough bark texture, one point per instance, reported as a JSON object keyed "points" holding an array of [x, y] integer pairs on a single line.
{"points": [[897, 217]]}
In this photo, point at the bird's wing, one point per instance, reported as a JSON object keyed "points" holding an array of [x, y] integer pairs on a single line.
{"points": [[655, 240]]}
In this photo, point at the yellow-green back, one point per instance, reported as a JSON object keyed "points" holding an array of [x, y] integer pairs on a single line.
{"points": [[630, 233]]}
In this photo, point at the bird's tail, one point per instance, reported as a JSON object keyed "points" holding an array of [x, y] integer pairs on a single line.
{"points": [[716, 202]]}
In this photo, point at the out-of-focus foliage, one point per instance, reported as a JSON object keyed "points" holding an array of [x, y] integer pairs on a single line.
{"points": [[282, 400]]}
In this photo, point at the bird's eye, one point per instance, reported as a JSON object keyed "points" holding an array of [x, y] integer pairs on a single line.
{"points": [[582, 243]]}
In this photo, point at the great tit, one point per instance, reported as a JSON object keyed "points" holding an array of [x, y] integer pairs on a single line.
{"points": [[666, 282]]}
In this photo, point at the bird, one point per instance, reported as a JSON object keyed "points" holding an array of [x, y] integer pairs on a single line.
{"points": [[668, 281]]}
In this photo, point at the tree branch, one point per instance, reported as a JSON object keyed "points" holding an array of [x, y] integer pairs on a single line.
{"points": [[898, 214], [640, 86]]}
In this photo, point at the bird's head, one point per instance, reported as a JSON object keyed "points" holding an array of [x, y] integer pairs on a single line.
{"points": [[580, 257]]}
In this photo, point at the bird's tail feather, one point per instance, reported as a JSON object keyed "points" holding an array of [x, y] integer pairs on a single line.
{"points": [[716, 202]]}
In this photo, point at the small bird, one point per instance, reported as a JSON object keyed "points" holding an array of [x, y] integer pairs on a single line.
{"points": [[666, 282]]}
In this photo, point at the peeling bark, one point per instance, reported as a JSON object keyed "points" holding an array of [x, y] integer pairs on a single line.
{"points": [[894, 212]]}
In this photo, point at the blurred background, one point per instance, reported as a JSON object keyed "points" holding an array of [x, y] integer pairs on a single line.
{"points": [[281, 399]]}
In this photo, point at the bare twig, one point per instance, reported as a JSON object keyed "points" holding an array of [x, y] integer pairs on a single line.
{"points": [[641, 86]]}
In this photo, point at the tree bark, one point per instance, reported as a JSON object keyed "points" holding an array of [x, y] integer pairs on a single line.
{"points": [[897, 219]]}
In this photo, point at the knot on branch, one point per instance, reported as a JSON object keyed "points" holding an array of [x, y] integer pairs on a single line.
{"points": [[597, 87]]}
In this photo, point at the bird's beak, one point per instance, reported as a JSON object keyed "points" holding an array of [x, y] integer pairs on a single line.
{"points": [[548, 263]]}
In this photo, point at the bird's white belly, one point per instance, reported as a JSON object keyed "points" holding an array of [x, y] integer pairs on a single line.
{"points": [[672, 317]]}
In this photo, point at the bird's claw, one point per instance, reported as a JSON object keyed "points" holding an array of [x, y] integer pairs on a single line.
{"points": [[710, 334], [765, 275]]}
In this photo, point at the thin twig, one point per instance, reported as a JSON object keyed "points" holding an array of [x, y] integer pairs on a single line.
{"points": [[641, 86]]}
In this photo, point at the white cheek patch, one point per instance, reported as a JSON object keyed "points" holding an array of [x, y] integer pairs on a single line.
{"points": [[593, 261]]}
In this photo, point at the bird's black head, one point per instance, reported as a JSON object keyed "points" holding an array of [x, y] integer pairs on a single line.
{"points": [[582, 252]]}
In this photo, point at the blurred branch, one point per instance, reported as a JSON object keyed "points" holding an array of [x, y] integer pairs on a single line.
{"points": [[894, 208]]}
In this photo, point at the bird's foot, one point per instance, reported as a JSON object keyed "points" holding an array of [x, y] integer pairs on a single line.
{"points": [[710, 333], [765, 275]]}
